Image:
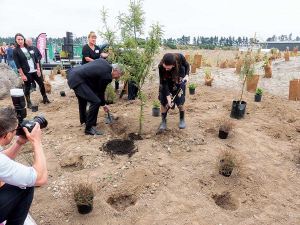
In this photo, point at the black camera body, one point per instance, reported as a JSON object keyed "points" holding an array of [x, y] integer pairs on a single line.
{"points": [[18, 99]]}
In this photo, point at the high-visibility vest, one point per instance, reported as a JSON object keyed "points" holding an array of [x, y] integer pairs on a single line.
{"points": [[2, 50]]}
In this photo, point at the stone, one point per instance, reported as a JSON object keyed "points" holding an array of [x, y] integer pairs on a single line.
{"points": [[160, 164]]}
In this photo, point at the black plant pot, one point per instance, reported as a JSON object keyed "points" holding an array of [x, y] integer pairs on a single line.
{"points": [[238, 110], [226, 174], [223, 134], [155, 112], [192, 91], [257, 98], [62, 93], [35, 108]]}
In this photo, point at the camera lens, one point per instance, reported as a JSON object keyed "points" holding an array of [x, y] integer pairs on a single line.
{"points": [[41, 120]]}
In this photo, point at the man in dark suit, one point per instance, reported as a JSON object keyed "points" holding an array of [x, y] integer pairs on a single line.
{"points": [[89, 82], [38, 56]]}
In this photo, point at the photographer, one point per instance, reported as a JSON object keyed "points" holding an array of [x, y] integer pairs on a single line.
{"points": [[17, 193]]}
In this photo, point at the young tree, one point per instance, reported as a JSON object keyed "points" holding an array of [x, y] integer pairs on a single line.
{"points": [[138, 63]]}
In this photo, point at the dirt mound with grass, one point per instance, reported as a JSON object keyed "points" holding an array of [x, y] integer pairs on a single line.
{"points": [[8, 80]]}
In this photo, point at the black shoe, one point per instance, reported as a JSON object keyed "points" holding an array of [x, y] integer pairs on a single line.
{"points": [[163, 124], [127, 99], [46, 100], [91, 131], [29, 105]]}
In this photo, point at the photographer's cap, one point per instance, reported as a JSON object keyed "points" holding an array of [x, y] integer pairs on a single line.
{"points": [[17, 92]]}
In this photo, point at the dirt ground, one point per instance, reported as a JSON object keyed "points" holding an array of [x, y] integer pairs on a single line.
{"points": [[172, 178]]}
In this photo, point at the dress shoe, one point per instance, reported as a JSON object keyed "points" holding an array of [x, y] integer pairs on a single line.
{"points": [[127, 99], [91, 131]]}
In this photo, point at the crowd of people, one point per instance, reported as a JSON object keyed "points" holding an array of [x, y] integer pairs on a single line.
{"points": [[89, 82]]}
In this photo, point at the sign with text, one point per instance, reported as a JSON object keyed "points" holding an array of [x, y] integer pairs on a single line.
{"points": [[41, 43]]}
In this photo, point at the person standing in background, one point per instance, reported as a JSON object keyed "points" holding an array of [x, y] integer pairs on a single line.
{"points": [[3, 53], [10, 60], [38, 56]]}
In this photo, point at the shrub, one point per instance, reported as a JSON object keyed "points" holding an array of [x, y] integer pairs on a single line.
{"points": [[207, 72], [259, 91], [192, 86], [170, 45], [156, 104]]}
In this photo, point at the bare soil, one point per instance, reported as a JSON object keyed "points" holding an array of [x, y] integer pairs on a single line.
{"points": [[173, 179]]}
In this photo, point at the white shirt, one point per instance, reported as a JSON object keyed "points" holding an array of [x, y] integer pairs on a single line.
{"points": [[29, 60], [16, 174]]}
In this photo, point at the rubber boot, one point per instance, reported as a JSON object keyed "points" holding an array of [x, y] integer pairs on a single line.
{"points": [[29, 105], [45, 99], [181, 122], [163, 124]]}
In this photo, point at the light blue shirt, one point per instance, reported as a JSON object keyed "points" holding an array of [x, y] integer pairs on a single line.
{"points": [[16, 174]]}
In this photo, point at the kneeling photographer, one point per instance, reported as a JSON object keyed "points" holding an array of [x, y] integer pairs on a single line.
{"points": [[17, 193]]}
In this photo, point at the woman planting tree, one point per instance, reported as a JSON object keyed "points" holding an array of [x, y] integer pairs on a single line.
{"points": [[28, 67], [173, 70]]}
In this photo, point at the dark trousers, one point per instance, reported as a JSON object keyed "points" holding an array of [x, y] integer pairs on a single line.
{"points": [[14, 204], [33, 82], [116, 85], [132, 90], [85, 94], [3, 57], [31, 77]]}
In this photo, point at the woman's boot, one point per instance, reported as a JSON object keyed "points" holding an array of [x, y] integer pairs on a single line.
{"points": [[163, 124], [45, 99], [181, 122], [29, 105]]}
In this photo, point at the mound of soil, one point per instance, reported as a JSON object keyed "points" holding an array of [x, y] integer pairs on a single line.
{"points": [[119, 147], [121, 202], [118, 126], [226, 201]]}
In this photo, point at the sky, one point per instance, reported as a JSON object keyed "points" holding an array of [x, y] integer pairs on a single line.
{"points": [[179, 17]]}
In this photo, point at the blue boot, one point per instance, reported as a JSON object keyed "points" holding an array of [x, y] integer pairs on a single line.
{"points": [[163, 124], [181, 122]]}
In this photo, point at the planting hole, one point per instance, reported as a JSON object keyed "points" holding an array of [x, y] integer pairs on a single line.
{"points": [[134, 137], [121, 202], [226, 201], [120, 147]]}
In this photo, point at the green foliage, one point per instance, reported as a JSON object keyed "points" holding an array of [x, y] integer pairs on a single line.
{"points": [[207, 72], [63, 54], [218, 59], [293, 78], [273, 50], [170, 45], [259, 91], [156, 104], [206, 46], [138, 63], [111, 95], [192, 86]]}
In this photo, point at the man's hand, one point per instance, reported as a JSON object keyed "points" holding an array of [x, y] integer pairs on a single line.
{"points": [[35, 137], [22, 140], [24, 78], [38, 72], [105, 108]]}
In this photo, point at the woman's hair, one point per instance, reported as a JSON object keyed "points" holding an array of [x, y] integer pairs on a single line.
{"points": [[170, 59], [92, 34], [18, 46], [8, 120]]}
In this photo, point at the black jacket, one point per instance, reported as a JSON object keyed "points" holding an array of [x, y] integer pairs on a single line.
{"points": [[37, 53], [184, 69], [21, 60], [90, 74]]}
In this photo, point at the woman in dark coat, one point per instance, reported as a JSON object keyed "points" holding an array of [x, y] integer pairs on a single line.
{"points": [[173, 70], [28, 67]]}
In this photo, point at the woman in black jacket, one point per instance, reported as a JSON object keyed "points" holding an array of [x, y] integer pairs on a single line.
{"points": [[28, 66], [173, 70]]}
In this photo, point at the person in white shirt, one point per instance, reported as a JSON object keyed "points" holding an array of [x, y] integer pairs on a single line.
{"points": [[17, 193]]}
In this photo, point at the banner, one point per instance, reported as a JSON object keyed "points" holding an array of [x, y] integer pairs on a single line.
{"points": [[41, 43]]}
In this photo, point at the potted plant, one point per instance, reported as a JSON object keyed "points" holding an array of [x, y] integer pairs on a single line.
{"points": [[55, 70], [156, 109], [224, 128], [294, 89], [239, 107], [208, 78], [83, 194], [35, 106], [228, 161], [192, 88], [258, 94]]}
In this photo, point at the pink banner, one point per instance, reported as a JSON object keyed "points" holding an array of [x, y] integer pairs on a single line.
{"points": [[41, 43]]}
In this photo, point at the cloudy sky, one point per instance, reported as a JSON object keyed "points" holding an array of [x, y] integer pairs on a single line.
{"points": [[179, 17]]}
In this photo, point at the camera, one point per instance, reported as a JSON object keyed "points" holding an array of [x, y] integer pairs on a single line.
{"points": [[18, 100]]}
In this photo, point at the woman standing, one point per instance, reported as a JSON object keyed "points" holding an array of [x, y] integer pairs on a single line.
{"points": [[28, 67], [90, 51], [173, 70]]}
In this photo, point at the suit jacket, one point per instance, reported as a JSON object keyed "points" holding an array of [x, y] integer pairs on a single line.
{"points": [[21, 60], [91, 74], [37, 53]]}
